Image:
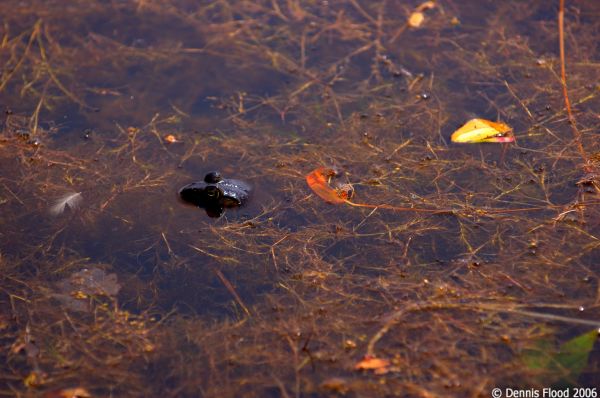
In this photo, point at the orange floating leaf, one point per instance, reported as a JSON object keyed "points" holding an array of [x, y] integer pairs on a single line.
{"points": [[416, 19], [317, 181], [378, 365], [171, 139], [481, 130]]}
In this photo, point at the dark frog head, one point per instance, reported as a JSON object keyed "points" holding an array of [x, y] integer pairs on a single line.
{"points": [[215, 193]]}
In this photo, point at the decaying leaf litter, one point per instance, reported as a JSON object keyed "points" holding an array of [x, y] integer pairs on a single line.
{"points": [[270, 91]]}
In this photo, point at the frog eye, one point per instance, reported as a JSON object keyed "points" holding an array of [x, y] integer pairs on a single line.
{"points": [[213, 177], [212, 192]]}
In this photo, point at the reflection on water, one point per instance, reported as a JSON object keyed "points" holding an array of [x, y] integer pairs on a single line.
{"points": [[112, 107]]}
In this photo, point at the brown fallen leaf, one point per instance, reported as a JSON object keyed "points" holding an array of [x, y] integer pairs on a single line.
{"points": [[336, 385], [35, 379]]}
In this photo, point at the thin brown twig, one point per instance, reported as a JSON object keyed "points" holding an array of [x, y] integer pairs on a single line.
{"points": [[231, 289]]}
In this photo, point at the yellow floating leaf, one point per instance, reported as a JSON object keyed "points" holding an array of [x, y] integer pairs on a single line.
{"points": [[481, 130]]}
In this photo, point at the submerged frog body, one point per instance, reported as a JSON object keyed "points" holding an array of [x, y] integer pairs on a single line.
{"points": [[215, 193]]}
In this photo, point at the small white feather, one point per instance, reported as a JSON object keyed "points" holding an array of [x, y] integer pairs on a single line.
{"points": [[70, 200]]}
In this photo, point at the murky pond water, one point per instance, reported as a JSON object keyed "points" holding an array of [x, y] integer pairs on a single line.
{"points": [[114, 286]]}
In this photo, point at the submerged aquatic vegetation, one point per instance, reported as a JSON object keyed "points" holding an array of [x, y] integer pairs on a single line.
{"points": [[564, 364]]}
